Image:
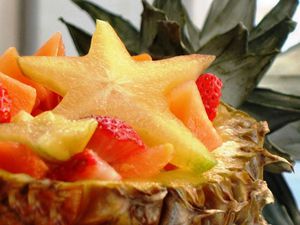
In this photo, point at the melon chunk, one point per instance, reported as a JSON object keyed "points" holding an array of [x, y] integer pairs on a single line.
{"points": [[46, 99], [145, 164], [23, 96], [186, 103]]}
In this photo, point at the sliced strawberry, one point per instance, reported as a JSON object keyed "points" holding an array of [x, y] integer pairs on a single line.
{"points": [[209, 86], [145, 164], [114, 140], [5, 105], [86, 165], [17, 158]]}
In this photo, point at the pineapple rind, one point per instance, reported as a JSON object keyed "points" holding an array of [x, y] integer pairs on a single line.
{"points": [[233, 192]]}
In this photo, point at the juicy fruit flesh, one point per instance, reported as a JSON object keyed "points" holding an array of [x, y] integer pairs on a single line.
{"points": [[145, 164], [85, 165], [209, 86], [185, 102], [50, 136], [121, 87], [114, 140], [17, 158], [46, 100], [23, 96]]}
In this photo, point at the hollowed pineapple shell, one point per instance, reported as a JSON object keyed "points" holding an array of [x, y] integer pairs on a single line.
{"points": [[233, 192]]}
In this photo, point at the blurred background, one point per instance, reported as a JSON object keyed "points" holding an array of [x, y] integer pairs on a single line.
{"points": [[27, 24]]}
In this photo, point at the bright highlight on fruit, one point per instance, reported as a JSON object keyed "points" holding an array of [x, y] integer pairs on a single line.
{"points": [[133, 91]]}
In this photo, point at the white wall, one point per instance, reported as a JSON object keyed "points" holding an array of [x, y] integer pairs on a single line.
{"points": [[9, 24]]}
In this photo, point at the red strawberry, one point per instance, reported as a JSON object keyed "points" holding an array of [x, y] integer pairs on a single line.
{"points": [[84, 166], [209, 86], [114, 140], [5, 105]]}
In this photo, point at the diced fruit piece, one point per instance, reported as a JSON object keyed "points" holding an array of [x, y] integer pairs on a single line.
{"points": [[5, 105], [209, 86], [185, 102], [49, 135], [145, 164], [142, 57], [22, 95], [17, 158], [85, 165], [53, 47], [135, 92], [46, 99], [115, 140]]}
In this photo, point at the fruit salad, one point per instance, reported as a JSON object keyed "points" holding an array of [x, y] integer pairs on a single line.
{"points": [[106, 115]]}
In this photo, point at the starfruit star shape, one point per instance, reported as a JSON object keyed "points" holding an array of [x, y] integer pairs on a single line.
{"points": [[107, 81]]}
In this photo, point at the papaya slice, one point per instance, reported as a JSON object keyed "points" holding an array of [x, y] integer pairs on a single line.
{"points": [[46, 99], [186, 103], [23, 96]]}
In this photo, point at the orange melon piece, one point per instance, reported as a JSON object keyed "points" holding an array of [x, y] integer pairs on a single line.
{"points": [[23, 96], [8, 65], [53, 47], [142, 57], [145, 164], [17, 158], [186, 103]]}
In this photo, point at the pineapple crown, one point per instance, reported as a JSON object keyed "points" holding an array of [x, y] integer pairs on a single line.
{"points": [[244, 53]]}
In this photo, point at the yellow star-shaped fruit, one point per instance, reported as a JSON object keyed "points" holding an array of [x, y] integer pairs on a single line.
{"points": [[107, 81]]}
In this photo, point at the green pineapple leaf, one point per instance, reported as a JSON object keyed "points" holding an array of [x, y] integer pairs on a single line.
{"points": [[168, 40], [225, 15], [276, 108], [81, 39], [175, 11], [283, 9], [288, 139], [149, 25], [127, 32], [285, 210]]}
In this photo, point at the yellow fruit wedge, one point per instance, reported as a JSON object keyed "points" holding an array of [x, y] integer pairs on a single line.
{"points": [[50, 136], [107, 81]]}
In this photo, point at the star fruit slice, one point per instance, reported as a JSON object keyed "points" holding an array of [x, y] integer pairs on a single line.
{"points": [[51, 136], [107, 81]]}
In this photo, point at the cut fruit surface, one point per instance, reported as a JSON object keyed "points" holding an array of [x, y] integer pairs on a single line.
{"points": [[185, 102], [53, 47], [23, 96], [50, 136], [114, 140], [142, 57], [145, 164], [85, 165], [17, 158], [46, 99], [134, 91]]}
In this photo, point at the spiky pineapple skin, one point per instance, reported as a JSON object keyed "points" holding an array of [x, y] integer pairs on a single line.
{"points": [[231, 193]]}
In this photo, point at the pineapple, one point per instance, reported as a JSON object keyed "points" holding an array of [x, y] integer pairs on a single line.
{"points": [[244, 53], [232, 192]]}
